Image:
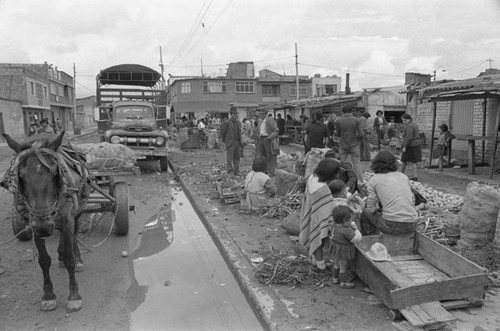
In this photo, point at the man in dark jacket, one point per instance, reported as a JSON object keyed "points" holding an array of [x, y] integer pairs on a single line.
{"points": [[348, 129], [230, 132]]}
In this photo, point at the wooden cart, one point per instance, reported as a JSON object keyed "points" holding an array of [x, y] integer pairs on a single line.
{"points": [[423, 279], [108, 194]]}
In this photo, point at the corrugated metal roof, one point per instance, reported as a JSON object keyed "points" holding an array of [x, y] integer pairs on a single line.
{"points": [[477, 84], [324, 101]]}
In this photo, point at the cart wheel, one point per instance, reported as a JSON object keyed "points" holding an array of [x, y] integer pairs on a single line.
{"points": [[394, 314], [19, 226], [121, 208], [163, 163]]}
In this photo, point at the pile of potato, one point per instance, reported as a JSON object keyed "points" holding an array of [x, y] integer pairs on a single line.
{"points": [[435, 198]]}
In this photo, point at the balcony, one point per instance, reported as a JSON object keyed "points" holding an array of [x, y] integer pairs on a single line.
{"points": [[58, 100]]}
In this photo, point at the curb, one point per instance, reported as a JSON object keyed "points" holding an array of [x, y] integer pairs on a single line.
{"points": [[263, 301]]}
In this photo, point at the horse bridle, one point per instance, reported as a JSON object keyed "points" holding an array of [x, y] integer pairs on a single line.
{"points": [[51, 211]]}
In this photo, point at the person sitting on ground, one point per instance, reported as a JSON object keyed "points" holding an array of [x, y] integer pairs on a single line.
{"points": [[390, 205], [259, 187], [45, 128], [344, 234], [445, 137]]}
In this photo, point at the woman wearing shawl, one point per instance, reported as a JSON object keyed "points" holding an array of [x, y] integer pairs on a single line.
{"points": [[316, 213]]}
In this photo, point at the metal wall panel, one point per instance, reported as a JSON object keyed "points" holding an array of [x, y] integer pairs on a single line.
{"points": [[462, 120]]}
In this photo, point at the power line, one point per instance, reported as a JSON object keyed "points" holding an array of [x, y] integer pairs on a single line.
{"points": [[196, 25]]}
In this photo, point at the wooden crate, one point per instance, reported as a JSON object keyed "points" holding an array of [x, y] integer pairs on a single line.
{"points": [[422, 271]]}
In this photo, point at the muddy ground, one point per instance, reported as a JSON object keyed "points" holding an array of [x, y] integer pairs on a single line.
{"points": [[316, 303]]}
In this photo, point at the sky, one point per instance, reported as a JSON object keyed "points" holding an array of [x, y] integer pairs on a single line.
{"points": [[375, 41]]}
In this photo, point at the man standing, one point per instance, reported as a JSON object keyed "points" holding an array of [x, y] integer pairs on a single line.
{"points": [[281, 124], [230, 132], [379, 125], [349, 133], [364, 146], [45, 128], [268, 146]]}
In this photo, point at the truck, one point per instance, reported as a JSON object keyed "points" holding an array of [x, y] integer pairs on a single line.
{"points": [[131, 99]]}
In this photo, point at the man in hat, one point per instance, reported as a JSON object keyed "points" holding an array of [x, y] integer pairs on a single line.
{"points": [[45, 128], [268, 144], [230, 132]]}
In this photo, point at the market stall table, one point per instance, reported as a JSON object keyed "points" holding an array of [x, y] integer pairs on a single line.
{"points": [[471, 140]]}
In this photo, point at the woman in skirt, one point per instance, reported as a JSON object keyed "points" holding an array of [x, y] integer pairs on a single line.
{"points": [[411, 148]]}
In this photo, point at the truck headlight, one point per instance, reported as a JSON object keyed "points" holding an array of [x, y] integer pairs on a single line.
{"points": [[115, 140], [159, 141]]}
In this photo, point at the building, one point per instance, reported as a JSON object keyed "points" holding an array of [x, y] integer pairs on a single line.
{"points": [[201, 95], [324, 86], [469, 107], [42, 91], [86, 109]]}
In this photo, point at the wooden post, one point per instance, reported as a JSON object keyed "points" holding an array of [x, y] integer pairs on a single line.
{"points": [[432, 130], [495, 140]]}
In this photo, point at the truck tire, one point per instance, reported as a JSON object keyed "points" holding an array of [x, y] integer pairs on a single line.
{"points": [[19, 226], [163, 163]]}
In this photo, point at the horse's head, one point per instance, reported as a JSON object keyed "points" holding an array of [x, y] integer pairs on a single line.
{"points": [[38, 179]]}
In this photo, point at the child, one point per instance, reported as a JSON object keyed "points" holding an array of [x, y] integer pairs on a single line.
{"points": [[259, 187], [344, 234], [443, 143], [341, 196]]}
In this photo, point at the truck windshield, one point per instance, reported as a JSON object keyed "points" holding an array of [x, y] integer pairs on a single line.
{"points": [[133, 113]]}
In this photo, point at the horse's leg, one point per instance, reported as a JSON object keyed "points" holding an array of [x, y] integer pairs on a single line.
{"points": [[76, 249], [74, 298], [49, 298]]}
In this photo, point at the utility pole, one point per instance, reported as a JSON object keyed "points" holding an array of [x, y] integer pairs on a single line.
{"points": [[201, 61], [297, 73], [162, 68], [74, 99]]}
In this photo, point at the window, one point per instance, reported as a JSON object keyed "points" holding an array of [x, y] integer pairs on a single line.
{"points": [[186, 87], [45, 95], [214, 87], [270, 90], [53, 89], [302, 90], [32, 88], [244, 87], [39, 90]]}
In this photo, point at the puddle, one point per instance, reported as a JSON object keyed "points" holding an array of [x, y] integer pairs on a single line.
{"points": [[179, 280]]}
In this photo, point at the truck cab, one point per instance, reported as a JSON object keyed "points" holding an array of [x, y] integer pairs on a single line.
{"points": [[133, 124]]}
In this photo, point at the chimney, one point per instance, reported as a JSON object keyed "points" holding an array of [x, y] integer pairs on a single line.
{"points": [[347, 87]]}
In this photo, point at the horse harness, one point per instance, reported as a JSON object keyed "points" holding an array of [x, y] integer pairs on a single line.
{"points": [[66, 159]]}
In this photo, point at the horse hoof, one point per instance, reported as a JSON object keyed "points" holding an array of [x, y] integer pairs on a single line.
{"points": [[79, 267], [48, 305], [74, 305]]}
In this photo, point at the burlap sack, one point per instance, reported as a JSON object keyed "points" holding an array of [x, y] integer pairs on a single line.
{"points": [[478, 217], [285, 162], [312, 159], [285, 181], [291, 224], [106, 156], [497, 236]]}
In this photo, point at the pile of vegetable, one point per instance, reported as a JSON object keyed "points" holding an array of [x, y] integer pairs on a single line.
{"points": [[280, 269]]}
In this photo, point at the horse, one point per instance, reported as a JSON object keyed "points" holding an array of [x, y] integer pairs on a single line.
{"points": [[52, 191]]}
